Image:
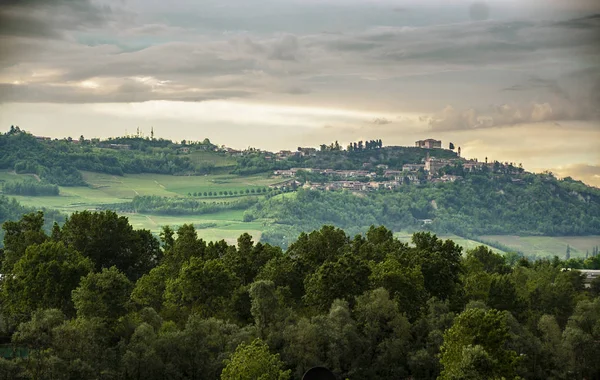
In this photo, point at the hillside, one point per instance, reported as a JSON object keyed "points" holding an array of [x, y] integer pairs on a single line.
{"points": [[61, 161], [481, 204], [469, 200]]}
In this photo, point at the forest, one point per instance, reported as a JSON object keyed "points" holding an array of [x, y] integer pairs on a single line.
{"points": [[60, 161], [483, 203], [98, 299]]}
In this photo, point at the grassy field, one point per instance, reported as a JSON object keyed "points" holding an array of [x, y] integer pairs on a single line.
{"points": [[547, 246], [466, 244], [108, 189], [219, 160], [228, 225]]}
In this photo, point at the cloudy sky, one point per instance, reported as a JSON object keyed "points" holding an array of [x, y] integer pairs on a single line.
{"points": [[513, 80]]}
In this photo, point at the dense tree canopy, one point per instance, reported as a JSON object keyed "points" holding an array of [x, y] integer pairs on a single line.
{"points": [[365, 307]]}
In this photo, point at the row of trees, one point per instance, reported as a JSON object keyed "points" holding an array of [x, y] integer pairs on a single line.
{"points": [[368, 145], [30, 188], [153, 204], [98, 299], [230, 193]]}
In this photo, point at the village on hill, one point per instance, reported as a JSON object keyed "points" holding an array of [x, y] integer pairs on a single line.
{"points": [[373, 177]]}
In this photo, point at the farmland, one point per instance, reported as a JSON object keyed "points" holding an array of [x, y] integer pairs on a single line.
{"points": [[547, 246], [106, 189]]}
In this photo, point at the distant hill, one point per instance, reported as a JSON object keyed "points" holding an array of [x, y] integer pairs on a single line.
{"points": [[60, 161], [482, 204]]}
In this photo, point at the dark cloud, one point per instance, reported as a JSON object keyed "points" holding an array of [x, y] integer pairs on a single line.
{"points": [[50, 18], [381, 121], [479, 11], [287, 63]]}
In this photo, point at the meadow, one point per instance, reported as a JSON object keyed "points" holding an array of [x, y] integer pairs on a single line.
{"points": [[547, 246], [108, 189], [465, 243]]}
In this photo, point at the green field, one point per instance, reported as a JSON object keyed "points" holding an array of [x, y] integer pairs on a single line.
{"points": [[547, 246], [108, 189], [466, 244], [219, 160]]}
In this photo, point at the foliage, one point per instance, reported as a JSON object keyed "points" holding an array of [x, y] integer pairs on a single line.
{"points": [[254, 362], [29, 188], [22, 152], [366, 307], [43, 279], [179, 206], [11, 210], [482, 204]]}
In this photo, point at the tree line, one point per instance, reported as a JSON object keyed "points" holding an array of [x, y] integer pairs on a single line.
{"points": [[60, 161], [30, 188], [225, 193], [153, 204], [98, 299]]}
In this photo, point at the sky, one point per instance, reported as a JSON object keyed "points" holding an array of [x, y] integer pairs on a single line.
{"points": [[511, 80]]}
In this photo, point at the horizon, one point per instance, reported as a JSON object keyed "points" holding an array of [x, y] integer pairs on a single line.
{"points": [[343, 144], [512, 80]]}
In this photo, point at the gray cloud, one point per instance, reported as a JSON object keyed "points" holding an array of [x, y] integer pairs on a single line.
{"points": [[452, 119], [127, 92], [294, 64], [381, 121], [50, 18]]}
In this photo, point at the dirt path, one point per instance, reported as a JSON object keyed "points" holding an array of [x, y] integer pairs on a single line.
{"points": [[37, 177], [160, 185], [151, 220], [130, 188]]}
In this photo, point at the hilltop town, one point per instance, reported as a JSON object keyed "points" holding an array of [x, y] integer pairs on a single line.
{"points": [[372, 176]]}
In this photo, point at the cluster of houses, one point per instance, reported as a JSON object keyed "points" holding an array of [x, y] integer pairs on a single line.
{"points": [[348, 179]]}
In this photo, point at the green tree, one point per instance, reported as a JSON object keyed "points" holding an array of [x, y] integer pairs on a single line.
{"points": [[140, 360], [404, 283], [581, 338], [254, 362], [440, 263], [20, 235], [103, 295], [109, 240], [344, 279], [37, 336], [475, 345], [386, 332], [202, 287], [43, 278]]}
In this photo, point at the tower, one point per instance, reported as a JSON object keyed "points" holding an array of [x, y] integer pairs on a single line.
{"points": [[458, 151]]}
